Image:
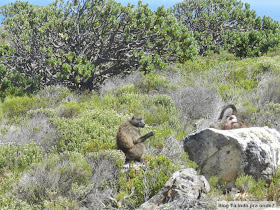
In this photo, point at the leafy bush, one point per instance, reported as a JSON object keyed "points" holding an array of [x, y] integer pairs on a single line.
{"points": [[223, 24], [52, 96], [106, 166], [15, 107], [132, 38], [269, 91], [149, 180], [70, 109], [35, 127], [91, 130], [152, 83], [72, 180], [53, 178], [19, 157], [174, 150], [118, 81], [273, 187], [9, 201], [247, 184], [195, 103]]}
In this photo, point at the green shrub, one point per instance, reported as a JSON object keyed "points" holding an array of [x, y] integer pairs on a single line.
{"points": [[14, 107], [116, 157], [152, 82], [268, 64], [273, 193], [53, 178], [151, 178], [9, 201], [247, 184], [19, 157], [91, 130], [158, 111], [52, 96], [70, 109]]}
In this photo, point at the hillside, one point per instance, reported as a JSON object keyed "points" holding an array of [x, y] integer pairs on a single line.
{"points": [[58, 146], [72, 72]]}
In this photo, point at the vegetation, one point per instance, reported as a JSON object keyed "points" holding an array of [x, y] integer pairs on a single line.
{"points": [[70, 73]]}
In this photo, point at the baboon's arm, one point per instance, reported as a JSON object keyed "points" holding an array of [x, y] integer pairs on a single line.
{"points": [[143, 138]]}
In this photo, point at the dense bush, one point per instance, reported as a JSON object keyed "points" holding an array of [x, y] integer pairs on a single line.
{"points": [[92, 130], [224, 24], [14, 157], [80, 45]]}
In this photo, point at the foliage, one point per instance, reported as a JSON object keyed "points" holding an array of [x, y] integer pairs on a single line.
{"points": [[92, 130], [209, 19], [150, 179], [80, 45], [58, 146], [224, 24], [254, 42], [19, 157], [36, 128], [247, 184], [273, 188], [193, 108], [53, 178], [12, 202], [15, 107], [63, 124]]}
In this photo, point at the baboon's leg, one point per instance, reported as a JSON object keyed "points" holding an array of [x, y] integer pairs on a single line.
{"points": [[136, 152]]}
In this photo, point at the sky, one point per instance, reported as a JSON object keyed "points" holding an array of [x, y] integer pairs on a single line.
{"points": [[262, 7]]}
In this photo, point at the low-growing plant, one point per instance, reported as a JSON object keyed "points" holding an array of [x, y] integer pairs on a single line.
{"points": [[17, 157], [174, 150], [118, 81], [36, 128], [195, 103], [91, 130], [54, 96], [106, 168], [70, 109], [10, 201], [53, 178], [268, 91], [256, 189], [153, 83], [15, 107], [273, 193], [150, 179]]}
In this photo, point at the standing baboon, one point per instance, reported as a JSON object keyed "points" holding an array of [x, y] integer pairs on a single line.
{"points": [[231, 122], [129, 139]]}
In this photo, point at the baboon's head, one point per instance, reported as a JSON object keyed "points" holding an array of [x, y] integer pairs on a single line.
{"points": [[137, 121], [230, 122]]}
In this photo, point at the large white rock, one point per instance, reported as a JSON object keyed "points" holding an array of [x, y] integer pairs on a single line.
{"points": [[183, 190], [231, 153]]}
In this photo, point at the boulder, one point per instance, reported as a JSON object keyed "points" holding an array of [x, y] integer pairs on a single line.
{"points": [[231, 153], [184, 189]]}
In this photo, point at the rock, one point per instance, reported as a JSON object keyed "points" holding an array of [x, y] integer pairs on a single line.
{"points": [[231, 153], [185, 188]]}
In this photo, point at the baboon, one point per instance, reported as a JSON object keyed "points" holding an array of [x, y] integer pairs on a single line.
{"points": [[231, 122], [129, 139]]}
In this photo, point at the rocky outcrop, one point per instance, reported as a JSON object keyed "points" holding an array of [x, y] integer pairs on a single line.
{"points": [[183, 190], [229, 153]]}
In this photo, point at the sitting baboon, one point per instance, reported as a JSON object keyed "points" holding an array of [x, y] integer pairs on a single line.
{"points": [[231, 122], [129, 139]]}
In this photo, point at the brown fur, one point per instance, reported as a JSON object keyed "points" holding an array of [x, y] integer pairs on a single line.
{"points": [[129, 139], [231, 122]]}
